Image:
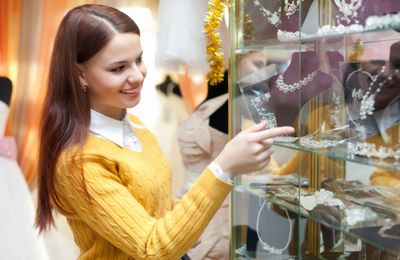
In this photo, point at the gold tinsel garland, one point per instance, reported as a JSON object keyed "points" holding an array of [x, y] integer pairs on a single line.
{"points": [[215, 56]]}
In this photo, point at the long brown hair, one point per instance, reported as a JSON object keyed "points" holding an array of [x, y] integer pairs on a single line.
{"points": [[83, 32]]}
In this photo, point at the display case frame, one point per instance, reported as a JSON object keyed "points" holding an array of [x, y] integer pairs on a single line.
{"points": [[338, 164]]}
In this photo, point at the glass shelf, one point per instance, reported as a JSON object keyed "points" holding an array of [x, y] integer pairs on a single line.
{"points": [[340, 153], [355, 231], [386, 34], [245, 254]]}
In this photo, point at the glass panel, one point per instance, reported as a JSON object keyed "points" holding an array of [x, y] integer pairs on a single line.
{"points": [[330, 69]]}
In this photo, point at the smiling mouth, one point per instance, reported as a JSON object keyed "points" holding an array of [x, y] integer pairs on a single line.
{"points": [[130, 91]]}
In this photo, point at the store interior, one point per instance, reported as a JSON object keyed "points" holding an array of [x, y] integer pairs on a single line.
{"points": [[330, 69]]}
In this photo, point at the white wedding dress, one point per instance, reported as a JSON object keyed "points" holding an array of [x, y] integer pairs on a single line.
{"points": [[180, 38], [19, 240]]}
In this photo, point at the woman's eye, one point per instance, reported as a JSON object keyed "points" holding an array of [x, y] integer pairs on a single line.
{"points": [[139, 60], [118, 69]]}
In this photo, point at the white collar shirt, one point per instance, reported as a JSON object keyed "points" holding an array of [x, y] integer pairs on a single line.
{"points": [[120, 132]]}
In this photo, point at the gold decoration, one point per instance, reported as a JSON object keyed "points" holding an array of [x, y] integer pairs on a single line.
{"points": [[248, 27], [357, 52], [215, 56]]}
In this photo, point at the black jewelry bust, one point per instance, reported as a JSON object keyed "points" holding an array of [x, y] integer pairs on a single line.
{"points": [[5, 90], [219, 119], [286, 106]]}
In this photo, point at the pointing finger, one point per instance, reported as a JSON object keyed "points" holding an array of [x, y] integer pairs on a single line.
{"points": [[271, 133], [256, 128]]}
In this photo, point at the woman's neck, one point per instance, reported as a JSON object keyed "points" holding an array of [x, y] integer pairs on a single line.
{"points": [[118, 114], [4, 110]]}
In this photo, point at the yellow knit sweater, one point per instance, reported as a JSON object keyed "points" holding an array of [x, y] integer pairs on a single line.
{"points": [[127, 211]]}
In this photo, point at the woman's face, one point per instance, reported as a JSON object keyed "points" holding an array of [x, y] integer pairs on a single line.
{"points": [[114, 76]]}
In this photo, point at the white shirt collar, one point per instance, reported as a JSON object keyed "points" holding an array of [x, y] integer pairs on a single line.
{"points": [[112, 129]]}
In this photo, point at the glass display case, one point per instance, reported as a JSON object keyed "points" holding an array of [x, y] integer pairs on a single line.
{"points": [[330, 69]]}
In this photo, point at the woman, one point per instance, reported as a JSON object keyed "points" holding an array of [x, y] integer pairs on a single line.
{"points": [[102, 168]]}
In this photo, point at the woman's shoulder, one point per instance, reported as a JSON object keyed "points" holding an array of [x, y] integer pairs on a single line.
{"points": [[95, 149], [135, 120]]}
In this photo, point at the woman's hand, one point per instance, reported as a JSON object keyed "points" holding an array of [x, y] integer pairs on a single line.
{"points": [[250, 150]]}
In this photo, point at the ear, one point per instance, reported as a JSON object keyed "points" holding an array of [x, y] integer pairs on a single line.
{"points": [[82, 75]]}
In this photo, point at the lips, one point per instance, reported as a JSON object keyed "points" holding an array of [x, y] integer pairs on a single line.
{"points": [[129, 91]]}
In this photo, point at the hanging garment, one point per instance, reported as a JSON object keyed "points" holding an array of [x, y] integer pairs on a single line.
{"points": [[173, 113], [19, 239], [180, 38], [199, 145]]}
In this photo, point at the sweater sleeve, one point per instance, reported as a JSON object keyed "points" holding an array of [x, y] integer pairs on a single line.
{"points": [[110, 210]]}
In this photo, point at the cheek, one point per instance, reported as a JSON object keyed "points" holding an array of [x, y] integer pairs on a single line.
{"points": [[143, 70], [108, 84]]}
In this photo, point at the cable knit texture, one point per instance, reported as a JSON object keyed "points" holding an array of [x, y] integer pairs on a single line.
{"points": [[127, 211]]}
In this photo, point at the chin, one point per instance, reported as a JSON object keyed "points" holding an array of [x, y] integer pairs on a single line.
{"points": [[134, 103]]}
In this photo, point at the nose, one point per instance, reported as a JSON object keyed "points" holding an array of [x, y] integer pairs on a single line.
{"points": [[136, 74]]}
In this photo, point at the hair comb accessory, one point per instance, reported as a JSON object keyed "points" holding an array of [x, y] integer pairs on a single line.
{"points": [[337, 136]]}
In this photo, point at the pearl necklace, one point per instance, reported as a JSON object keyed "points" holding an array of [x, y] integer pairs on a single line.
{"points": [[367, 106], [282, 86], [348, 10]]}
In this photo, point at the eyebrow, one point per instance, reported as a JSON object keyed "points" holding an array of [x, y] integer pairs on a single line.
{"points": [[124, 61]]}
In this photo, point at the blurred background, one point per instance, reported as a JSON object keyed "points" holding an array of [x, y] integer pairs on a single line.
{"points": [[172, 89]]}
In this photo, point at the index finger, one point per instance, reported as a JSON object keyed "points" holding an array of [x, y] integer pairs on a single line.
{"points": [[271, 133]]}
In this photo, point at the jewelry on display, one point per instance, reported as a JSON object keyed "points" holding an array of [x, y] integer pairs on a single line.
{"points": [[309, 142], [308, 202], [369, 150], [270, 119], [356, 214], [359, 70], [258, 104], [368, 99], [285, 88], [285, 36], [259, 101], [321, 197], [336, 114], [265, 246], [340, 29], [387, 226], [289, 192], [390, 192], [272, 17], [326, 30], [326, 197], [285, 139], [367, 106], [291, 8], [348, 10], [382, 22], [357, 94], [372, 23]]}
